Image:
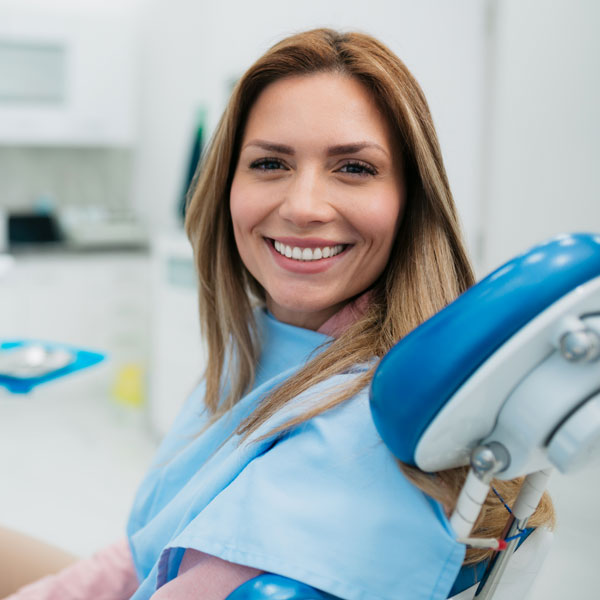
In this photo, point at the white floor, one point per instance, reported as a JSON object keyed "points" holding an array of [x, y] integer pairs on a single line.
{"points": [[570, 569], [70, 462]]}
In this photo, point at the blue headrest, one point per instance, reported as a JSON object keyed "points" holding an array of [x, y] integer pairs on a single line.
{"points": [[421, 373]]}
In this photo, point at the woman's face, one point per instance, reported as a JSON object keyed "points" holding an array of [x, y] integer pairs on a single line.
{"points": [[317, 195]]}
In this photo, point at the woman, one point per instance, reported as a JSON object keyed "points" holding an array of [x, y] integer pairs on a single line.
{"points": [[324, 230]]}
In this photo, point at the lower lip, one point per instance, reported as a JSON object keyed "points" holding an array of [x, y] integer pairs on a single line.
{"points": [[305, 267]]}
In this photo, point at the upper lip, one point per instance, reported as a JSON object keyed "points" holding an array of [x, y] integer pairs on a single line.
{"points": [[307, 242]]}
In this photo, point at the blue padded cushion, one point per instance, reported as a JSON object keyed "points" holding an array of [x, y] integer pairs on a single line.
{"points": [[18, 385], [275, 587], [422, 372]]}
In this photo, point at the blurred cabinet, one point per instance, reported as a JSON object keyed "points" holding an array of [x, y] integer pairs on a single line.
{"points": [[68, 79], [96, 300], [178, 354]]}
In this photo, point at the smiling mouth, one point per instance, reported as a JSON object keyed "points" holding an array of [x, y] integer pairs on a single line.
{"points": [[308, 254]]}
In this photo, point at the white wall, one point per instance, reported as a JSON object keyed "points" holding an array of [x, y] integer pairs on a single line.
{"points": [[65, 177], [71, 7], [542, 178], [193, 50], [545, 137]]}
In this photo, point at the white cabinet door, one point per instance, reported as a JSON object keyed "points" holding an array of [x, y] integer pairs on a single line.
{"points": [[178, 354], [87, 94]]}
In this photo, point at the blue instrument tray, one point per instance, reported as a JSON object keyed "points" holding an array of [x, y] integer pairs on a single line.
{"points": [[25, 364]]}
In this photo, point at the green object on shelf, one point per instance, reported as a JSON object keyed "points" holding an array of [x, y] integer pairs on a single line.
{"points": [[194, 160]]}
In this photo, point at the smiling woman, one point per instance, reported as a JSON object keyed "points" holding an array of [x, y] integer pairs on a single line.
{"points": [[323, 230], [317, 195]]}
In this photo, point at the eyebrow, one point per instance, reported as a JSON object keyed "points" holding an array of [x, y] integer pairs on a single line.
{"points": [[353, 148], [336, 150], [271, 147]]}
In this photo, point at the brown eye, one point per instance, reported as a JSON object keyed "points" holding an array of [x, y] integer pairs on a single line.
{"points": [[358, 168], [267, 164]]}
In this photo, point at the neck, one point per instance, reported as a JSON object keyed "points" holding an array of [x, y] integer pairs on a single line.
{"points": [[305, 320], [332, 321]]}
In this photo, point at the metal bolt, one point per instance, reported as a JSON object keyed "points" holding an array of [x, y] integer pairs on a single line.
{"points": [[581, 345], [489, 459]]}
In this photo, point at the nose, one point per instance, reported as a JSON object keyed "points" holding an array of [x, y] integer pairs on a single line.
{"points": [[305, 201]]}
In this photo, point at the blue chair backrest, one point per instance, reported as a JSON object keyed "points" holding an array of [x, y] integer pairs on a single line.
{"points": [[435, 359]]}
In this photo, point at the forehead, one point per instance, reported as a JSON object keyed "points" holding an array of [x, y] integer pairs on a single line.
{"points": [[322, 107]]}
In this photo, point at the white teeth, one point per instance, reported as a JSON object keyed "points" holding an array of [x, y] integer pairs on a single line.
{"points": [[307, 254]]}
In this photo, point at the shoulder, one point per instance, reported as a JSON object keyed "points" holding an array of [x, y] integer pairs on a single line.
{"points": [[315, 412], [326, 504]]}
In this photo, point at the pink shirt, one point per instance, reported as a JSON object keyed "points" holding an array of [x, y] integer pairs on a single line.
{"points": [[110, 575]]}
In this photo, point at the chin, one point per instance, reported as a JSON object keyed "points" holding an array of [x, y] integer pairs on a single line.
{"points": [[303, 302], [303, 308]]}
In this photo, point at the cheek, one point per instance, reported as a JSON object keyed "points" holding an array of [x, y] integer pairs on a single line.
{"points": [[381, 221], [239, 217], [236, 204], [391, 211], [247, 213], [246, 206]]}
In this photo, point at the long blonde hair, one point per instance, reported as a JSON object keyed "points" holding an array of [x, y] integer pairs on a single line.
{"points": [[428, 265]]}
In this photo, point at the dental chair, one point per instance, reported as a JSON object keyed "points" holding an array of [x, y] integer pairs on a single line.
{"points": [[510, 386]]}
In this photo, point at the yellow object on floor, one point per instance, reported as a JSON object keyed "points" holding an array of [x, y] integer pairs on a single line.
{"points": [[129, 385]]}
